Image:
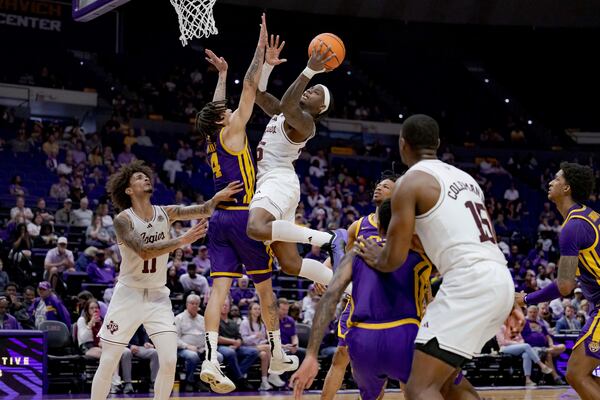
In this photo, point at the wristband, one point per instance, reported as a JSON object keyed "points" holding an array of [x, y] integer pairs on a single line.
{"points": [[264, 76], [309, 73]]}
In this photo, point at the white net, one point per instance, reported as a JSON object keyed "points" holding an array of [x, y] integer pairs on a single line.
{"points": [[195, 19]]}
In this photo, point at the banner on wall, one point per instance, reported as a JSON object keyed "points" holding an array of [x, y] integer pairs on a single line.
{"points": [[34, 14]]}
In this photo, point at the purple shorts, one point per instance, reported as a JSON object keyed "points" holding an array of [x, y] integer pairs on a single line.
{"points": [[342, 326], [380, 354], [590, 336], [231, 250]]}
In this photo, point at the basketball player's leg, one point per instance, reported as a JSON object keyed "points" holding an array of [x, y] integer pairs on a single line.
{"points": [[292, 264], [109, 360], [580, 368], [335, 375], [166, 347], [459, 388], [277, 199]]}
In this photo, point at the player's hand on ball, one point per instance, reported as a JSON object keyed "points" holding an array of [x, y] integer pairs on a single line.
{"points": [[196, 232], [319, 57], [219, 62], [273, 50], [368, 249], [520, 298], [303, 378], [227, 194]]}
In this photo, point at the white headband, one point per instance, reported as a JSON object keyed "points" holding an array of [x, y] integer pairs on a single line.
{"points": [[326, 98]]}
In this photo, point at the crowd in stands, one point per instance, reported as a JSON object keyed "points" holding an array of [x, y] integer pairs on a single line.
{"points": [[58, 240]]}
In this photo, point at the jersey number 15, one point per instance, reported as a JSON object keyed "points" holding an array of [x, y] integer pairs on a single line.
{"points": [[482, 219]]}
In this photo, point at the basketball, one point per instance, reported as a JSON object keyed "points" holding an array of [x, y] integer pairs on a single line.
{"points": [[336, 45]]}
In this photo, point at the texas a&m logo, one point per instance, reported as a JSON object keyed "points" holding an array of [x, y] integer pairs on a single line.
{"points": [[112, 327]]}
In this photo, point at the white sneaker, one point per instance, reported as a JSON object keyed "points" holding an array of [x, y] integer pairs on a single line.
{"points": [[217, 380], [264, 386], [280, 365], [276, 381]]}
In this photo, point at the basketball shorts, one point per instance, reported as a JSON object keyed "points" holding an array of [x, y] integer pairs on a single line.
{"points": [[131, 307], [343, 325], [278, 192], [378, 354], [590, 335], [469, 309], [231, 250]]}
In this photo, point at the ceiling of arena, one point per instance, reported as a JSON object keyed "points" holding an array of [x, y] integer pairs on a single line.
{"points": [[543, 13]]}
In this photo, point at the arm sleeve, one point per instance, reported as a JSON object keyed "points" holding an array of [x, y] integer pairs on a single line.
{"points": [[576, 234]]}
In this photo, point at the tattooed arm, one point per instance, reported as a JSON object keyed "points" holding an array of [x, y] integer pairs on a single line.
{"points": [[186, 213], [326, 307], [268, 103], [241, 116], [126, 235], [567, 271]]}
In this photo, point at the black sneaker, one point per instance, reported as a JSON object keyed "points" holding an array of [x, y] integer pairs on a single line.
{"points": [[244, 386]]}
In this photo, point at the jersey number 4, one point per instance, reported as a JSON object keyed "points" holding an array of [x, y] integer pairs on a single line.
{"points": [[147, 264], [480, 215]]}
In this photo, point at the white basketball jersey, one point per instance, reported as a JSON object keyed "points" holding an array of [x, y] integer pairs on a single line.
{"points": [[146, 274], [457, 232], [276, 150]]}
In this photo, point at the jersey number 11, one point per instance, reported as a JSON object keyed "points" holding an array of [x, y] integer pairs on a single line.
{"points": [[146, 264]]}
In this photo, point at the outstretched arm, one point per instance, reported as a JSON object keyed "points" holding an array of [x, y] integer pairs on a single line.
{"points": [[221, 65], [186, 213], [268, 103], [242, 115], [307, 372], [126, 234], [265, 100]]}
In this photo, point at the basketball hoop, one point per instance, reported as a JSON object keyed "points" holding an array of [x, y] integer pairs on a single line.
{"points": [[195, 19]]}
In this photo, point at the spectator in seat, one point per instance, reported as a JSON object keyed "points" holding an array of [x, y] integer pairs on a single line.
{"points": [[43, 211], [577, 298], [545, 316], [143, 139], [82, 217], [97, 235], [569, 321], [99, 271], [202, 261], [242, 295], [83, 298], [48, 307], [20, 144], [34, 227], [21, 245], [85, 257], [78, 153], [235, 315], [511, 194], [190, 340], [60, 190], [20, 208], [4, 279], [239, 358], [316, 254], [16, 188], [538, 337], [178, 262], [287, 326], [58, 260], [194, 282], [171, 166], [511, 342], [7, 321], [88, 326], [64, 215], [126, 156], [16, 307], [50, 146], [141, 347], [173, 281], [254, 334], [547, 212], [309, 304]]}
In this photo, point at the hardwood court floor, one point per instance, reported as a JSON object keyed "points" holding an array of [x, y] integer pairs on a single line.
{"points": [[495, 394]]}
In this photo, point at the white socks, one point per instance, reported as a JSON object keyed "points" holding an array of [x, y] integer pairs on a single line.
{"points": [[315, 271], [212, 341], [284, 231], [275, 342]]}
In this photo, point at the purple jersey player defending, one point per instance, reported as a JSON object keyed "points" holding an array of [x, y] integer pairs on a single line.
{"points": [[385, 312], [579, 260], [229, 246]]}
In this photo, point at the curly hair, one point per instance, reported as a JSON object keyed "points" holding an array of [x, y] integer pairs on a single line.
{"points": [[580, 178], [208, 119], [119, 181]]}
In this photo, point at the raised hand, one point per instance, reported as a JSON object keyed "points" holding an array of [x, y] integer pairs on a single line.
{"points": [[263, 38], [219, 62], [196, 232], [319, 57], [273, 50]]}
